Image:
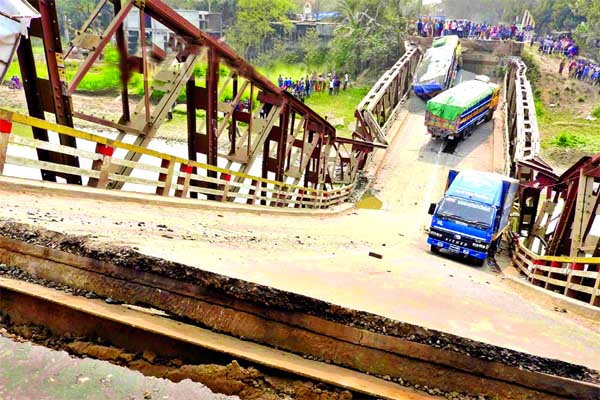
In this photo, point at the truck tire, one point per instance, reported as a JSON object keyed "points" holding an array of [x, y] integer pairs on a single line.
{"points": [[489, 115], [434, 249], [478, 262]]}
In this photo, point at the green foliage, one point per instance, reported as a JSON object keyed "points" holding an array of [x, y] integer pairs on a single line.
{"points": [[596, 112], [371, 33], [568, 139], [540, 109], [533, 69], [588, 31], [253, 22], [555, 15], [314, 52]]}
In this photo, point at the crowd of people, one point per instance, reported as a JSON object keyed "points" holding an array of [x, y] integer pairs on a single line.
{"points": [[577, 67], [14, 83], [564, 45], [305, 86], [470, 30]]}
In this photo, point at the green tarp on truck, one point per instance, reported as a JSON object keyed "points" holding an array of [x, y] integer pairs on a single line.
{"points": [[451, 103]]}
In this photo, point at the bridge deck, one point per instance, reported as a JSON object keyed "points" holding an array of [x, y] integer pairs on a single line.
{"points": [[327, 257]]}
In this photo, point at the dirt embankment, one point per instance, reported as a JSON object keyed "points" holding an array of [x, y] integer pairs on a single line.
{"points": [[568, 129], [220, 285]]}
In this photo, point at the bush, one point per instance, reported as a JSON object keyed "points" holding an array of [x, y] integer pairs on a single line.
{"points": [[540, 110], [533, 70], [596, 112], [568, 139]]}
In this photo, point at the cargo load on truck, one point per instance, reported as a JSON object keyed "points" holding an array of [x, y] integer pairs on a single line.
{"points": [[454, 113], [472, 215], [438, 67]]}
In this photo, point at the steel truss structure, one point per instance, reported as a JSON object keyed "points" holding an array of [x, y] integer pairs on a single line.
{"points": [[557, 212], [379, 106], [274, 135], [522, 134]]}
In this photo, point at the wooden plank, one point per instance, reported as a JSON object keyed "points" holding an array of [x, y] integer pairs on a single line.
{"points": [[169, 178], [578, 260], [581, 288], [586, 274], [139, 165], [104, 172], [59, 148], [563, 271], [132, 179], [4, 138], [556, 282], [67, 169]]}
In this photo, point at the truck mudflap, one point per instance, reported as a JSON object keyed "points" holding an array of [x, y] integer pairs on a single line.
{"points": [[452, 248]]}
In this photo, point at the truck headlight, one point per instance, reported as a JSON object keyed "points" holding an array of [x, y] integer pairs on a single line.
{"points": [[435, 234], [480, 245]]}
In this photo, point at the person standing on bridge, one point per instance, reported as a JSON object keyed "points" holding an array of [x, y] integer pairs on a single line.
{"points": [[420, 27]]}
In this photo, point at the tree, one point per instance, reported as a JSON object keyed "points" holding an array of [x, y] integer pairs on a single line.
{"points": [[555, 15], [314, 51], [371, 33], [74, 13], [588, 31], [253, 22]]}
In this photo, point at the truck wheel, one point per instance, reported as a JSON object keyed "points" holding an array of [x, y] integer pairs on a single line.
{"points": [[478, 262], [489, 115], [434, 249]]}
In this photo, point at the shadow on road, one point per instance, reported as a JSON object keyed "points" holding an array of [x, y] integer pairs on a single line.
{"points": [[452, 157]]}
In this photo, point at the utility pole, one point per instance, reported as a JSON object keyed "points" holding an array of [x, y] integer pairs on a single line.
{"points": [[66, 25]]}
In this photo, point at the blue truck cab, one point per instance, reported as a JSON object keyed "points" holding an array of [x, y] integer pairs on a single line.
{"points": [[471, 217]]}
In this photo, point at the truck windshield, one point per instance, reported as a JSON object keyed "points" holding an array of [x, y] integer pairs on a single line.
{"points": [[478, 215]]}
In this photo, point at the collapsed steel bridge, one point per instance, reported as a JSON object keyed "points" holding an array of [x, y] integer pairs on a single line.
{"points": [[277, 135]]}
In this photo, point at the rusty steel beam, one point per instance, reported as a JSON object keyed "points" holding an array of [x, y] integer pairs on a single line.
{"points": [[34, 103], [105, 39], [56, 91], [123, 68]]}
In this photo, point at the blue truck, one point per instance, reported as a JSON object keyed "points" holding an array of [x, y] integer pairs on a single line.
{"points": [[471, 217]]}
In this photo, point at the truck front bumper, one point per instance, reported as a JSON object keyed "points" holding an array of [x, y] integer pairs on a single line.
{"points": [[452, 248]]}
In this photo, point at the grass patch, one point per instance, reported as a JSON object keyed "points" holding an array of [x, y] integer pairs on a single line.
{"points": [[540, 109], [338, 107], [561, 131], [568, 139]]}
